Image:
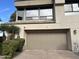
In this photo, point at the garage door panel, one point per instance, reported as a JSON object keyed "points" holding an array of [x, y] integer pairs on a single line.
{"points": [[46, 40]]}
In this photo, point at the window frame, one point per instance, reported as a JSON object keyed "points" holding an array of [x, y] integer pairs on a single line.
{"points": [[72, 8], [39, 14], [39, 17]]}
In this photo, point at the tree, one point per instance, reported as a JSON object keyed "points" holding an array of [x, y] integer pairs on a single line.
{"points": [[10, 29], [0, 19], [2, 29], [13, 17]]}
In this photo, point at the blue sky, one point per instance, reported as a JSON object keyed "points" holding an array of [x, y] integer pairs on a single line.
{"points": [[6, 9]]}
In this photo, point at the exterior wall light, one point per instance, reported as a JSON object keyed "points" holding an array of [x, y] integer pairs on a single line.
{"points": [[75, 32]]}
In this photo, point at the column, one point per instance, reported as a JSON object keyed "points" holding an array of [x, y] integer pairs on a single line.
{"points": [[24, 19], [16, 15]]}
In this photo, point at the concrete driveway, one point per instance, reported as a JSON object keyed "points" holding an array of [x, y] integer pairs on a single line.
{"points": [[48, 54]]}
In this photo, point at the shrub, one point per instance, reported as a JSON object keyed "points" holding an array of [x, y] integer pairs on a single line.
{"points": [[7, 57], [21, 44], [0, 48], [11, 46]]}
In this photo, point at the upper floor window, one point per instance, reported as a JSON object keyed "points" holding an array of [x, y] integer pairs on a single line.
{"points": [[72, 7], [35, 14], [31, 14], [20, 15], [41, 14]]}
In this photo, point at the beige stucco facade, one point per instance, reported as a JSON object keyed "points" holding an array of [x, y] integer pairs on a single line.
{"points": [[37, 2], [69, 22]]}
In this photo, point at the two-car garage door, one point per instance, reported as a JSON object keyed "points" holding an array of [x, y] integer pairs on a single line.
{"points": [[47, 40]]}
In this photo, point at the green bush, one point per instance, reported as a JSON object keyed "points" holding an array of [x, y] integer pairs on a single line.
{"points": [[11, 46], [7, 57], [0, 48], [21, 44]]}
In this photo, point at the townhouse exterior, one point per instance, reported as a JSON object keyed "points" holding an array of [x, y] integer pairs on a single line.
{"points": [[48, 24]]}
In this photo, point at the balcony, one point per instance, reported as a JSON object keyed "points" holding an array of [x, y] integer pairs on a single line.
{"points": [[35, 15]]}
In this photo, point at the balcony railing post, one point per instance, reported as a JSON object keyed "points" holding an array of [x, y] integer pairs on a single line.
{"points": [[16, 15], [53, 3], [24, 18]]}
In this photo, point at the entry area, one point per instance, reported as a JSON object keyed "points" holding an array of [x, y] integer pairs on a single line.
{"points": [[47, 39]]}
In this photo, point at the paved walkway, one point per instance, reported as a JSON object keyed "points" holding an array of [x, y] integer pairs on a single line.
{"points": [[1, 57], [50, 54]]}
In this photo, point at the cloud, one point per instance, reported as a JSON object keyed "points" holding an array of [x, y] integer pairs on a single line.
{"points": [[4, 10]]}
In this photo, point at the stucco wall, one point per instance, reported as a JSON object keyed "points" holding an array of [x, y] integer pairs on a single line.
{"points": [[32, 2], [62, 22], [37, 2]]}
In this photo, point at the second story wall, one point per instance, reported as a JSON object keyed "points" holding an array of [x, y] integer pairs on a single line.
{"points": [[37, 2], [66, 18], [61, 17], [32, 2]]}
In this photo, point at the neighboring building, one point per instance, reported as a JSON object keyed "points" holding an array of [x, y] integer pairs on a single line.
{"points": [[48, 24]]}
